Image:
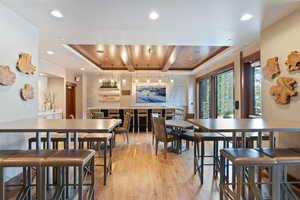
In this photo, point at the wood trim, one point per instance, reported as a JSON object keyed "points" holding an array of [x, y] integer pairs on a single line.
{"points": [[216, 71], [252, 57], [169, 62], [129, 64], [210, 57]]}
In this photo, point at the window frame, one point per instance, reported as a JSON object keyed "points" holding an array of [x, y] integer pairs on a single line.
{"points": [[213, 95]]}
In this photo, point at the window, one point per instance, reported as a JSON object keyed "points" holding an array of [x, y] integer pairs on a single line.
{"points": [[256, 82], [251, 87], [224, 94], [216, 93], [204, 98]]}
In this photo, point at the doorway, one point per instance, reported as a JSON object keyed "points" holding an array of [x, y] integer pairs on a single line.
{"points": [[70, 100]]}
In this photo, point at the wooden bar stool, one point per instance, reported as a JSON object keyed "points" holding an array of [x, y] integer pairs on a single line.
{"points": [[142, 113], [114, 113], [170, 113], [131, 114], [125, 128]]}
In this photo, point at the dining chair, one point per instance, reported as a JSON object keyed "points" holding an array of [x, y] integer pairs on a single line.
{"points": [[131, 114], [125, 128], [170, 113], [159, 128]]}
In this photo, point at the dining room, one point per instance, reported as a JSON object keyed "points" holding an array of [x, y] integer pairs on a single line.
{"points": [[149, 100]]}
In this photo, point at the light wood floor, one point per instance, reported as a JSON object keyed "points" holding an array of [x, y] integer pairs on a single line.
{"points": [[139, 174]]}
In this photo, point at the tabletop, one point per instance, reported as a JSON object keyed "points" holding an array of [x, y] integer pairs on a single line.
{"points": [[246, 125], [179, 124], [60, 125]]}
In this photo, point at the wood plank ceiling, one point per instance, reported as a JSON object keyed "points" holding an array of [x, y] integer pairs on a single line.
{"points": [[147, 57]]}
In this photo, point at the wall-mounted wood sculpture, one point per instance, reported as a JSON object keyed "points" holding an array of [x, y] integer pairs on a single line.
{"points": [[27, 92], [7, 77], [283, 90], [24, 64], [293, 61], [272, 67]]}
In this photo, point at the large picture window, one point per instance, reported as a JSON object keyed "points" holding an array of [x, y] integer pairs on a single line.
{"points": [[204, 98], [216, 94], [224, 94]]}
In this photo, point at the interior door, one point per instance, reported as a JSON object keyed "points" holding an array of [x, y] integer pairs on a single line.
{"points": [[71, 102]]}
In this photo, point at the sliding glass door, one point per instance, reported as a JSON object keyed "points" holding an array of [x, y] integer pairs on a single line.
{"points": [[204, 98], [224, 94]]}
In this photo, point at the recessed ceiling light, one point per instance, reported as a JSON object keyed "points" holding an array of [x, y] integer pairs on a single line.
{"points": [[148, 81], [82, 68], [172, 80], [136, 81], [246, 17], [159, 81], [153, 15], [56, 13], [124, 80], [50, 52]]}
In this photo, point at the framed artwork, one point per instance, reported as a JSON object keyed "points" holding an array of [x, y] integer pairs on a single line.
{"points": [[150, 94]]}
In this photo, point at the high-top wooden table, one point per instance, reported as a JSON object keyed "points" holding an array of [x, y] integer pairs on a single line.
{"points": [[252, 125], [66, 126]]}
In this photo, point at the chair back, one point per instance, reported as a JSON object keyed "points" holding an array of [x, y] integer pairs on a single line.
{"points": [[159, 128], [190, 115], [126, 122]]}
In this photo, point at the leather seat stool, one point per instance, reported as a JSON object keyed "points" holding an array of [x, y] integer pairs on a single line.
{"points": [[242, 158], [91, 141], [199, 155]]}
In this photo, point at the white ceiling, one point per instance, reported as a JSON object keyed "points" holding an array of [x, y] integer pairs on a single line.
{"points": [[181, 22]]}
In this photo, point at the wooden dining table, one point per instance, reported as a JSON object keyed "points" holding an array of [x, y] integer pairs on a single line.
{"points": [[67, 126], [179, 127], [245, 126]]}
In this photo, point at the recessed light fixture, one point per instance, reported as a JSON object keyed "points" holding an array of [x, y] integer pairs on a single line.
{"points": [[82, 68], [124, 80], [136, 81], [246, 17], [153, 15], [159, 81], [50, 52], [56, 13], [148, 81], [172, 80], [100, 80]]}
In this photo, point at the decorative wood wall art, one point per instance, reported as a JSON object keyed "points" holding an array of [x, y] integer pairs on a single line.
{"points": [[27, 92], [293, 61], [283, 90], [24, 64], [7, 77], [272, 67]]}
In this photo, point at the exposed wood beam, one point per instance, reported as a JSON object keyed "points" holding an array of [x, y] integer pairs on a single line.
{"points": [[129, 64], [173, 53]]}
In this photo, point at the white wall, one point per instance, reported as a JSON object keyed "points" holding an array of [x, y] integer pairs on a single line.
{"points": [[279, 40], [17, 35], [57, 87], [177, 92]]}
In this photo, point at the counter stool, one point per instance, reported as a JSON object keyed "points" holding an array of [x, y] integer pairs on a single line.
{"points": [[170, 113], [283, 158], [242, 158], [90, 140], [113, 113], [201, 138], [251, 138], [125, 128], [142, 113], [131, 114]]}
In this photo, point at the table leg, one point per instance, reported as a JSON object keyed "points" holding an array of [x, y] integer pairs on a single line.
{"points": [[243, 139], [259, 140], [68, 141], [272, 140], [259, 145], [75, 147], [49, 146], [105, 163], [38, 141], [276, 177]]}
